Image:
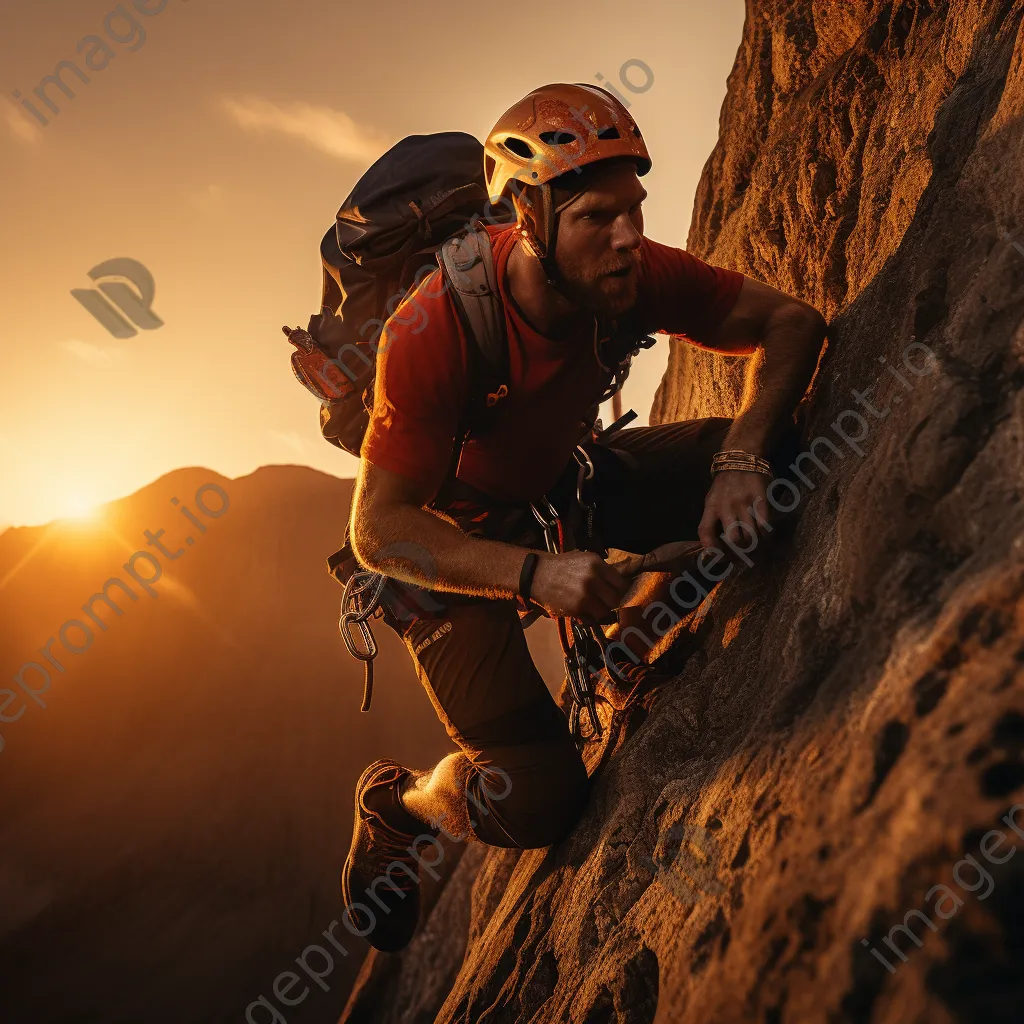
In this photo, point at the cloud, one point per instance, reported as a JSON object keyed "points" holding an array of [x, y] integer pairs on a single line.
{"points": [[20, 126], [330, 130], [86, 351], [292, 440]]}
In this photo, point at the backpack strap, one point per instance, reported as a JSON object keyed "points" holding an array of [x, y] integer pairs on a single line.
{"points": [[467, 262]]}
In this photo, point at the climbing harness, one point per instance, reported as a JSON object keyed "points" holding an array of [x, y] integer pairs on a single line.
{"points": [[366, 597]]}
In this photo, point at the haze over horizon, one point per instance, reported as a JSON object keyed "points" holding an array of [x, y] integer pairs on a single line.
{"points": [[217, 165]]}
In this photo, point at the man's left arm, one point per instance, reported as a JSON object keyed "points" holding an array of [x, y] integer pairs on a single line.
{"points": [[785, 335]]}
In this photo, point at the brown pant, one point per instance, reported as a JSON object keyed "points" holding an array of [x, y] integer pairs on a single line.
{"points": [[473, 661]]}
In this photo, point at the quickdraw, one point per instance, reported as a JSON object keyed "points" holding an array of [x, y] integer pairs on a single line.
{"points": [[581, 644]]}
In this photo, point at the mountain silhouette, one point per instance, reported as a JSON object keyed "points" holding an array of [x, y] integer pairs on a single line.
{"points": [[173, 820]]}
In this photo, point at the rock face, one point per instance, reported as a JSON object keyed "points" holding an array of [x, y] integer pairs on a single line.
{"points": [[807, 825]]}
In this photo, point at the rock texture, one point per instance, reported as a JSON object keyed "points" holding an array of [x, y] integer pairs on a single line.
{"points": [[852, 722]]}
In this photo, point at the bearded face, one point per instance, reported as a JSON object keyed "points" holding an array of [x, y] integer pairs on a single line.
{"points": [[597, 251], [604, 283]]}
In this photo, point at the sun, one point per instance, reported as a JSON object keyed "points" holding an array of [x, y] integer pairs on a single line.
{"points": [[78, 507]]}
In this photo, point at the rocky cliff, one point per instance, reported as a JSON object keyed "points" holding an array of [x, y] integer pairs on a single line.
{"points": [[815, 821]]}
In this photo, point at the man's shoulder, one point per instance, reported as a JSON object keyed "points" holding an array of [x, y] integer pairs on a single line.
{"points": [[425, 325], [432, 288], [659, 256], [681, 293], [667, 265], [433, 297], [499, 229], [502, 236], [659, 251]]}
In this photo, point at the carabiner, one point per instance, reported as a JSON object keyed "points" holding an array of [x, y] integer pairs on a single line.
{"points": [[549, 524]]}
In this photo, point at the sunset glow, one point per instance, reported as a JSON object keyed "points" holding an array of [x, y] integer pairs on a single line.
{"points": [[221, 182], [80, 508]]}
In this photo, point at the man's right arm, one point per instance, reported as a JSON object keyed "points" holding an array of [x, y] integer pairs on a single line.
{"points": [[393, 533], [421, 385]]}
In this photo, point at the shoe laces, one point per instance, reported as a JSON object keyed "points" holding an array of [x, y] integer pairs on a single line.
{"points": [[391, 846]]}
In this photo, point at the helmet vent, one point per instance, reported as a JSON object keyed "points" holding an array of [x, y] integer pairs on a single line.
{"points": [[519, 147], [636, 132], [610, 132], [559, 138]]}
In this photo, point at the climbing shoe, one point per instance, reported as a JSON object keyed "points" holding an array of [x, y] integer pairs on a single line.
{"points": [[380, 881]]}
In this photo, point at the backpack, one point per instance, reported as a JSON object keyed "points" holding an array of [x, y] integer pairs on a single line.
{"points": [[390, 232]]}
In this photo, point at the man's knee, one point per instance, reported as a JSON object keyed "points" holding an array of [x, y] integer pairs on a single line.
{"points": [[541, 807], [551, 819]]}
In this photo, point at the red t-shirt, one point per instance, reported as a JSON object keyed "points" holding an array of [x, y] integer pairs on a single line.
{"points": [[421, 389]]}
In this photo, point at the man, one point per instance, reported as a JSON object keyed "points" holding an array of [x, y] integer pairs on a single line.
{"points": [[571, 158]]}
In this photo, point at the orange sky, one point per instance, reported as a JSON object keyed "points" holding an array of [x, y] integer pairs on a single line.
{"points": [[217, 153]]}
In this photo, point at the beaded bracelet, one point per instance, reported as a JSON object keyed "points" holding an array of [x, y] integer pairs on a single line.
{"points": [[736, 459]]}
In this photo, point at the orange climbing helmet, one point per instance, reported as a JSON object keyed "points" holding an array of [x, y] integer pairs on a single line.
{"points": [[553, 131], [559, 128]]}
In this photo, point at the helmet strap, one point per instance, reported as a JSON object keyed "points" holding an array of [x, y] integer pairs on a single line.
{"points": [[548, 219], [538, 228]]}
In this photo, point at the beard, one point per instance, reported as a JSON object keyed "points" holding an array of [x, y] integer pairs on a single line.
{"points": [[609, 290]]}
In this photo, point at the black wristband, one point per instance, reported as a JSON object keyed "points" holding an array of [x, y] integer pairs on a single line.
{"points": [[526, 575]]}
